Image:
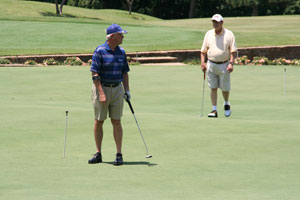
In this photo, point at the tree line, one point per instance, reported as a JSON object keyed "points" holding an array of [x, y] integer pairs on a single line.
{"points": [[181, 9]]}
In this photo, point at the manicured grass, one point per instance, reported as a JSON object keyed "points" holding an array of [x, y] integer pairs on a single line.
{"points": [[254, 154], [38, 11], [22, 37], [32, 28]]}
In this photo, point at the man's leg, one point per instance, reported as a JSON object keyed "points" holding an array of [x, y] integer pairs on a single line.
{"points": [[213, 96], [226, 103], [225, 87], [118, 134], [225, 95], [98, 134]]}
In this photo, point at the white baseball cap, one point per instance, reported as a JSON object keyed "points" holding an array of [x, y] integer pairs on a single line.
{"points": [[217, 17]]}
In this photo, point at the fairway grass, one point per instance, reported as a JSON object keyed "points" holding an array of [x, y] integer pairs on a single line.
{"points": [[254, 154], [29, 27]]}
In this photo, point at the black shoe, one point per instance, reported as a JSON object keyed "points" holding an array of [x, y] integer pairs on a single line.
{"points": [[97, 158], [213, 113], [227, 110], [119, 159]]}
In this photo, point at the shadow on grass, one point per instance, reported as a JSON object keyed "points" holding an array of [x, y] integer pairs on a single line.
{"points": [[134, 163], [51, 14]]}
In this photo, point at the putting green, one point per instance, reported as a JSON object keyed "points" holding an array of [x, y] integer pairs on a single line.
{"points": [[254, 154]]}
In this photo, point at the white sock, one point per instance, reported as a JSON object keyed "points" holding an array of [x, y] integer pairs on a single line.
{"points": [[226, 103], [214, 107]]}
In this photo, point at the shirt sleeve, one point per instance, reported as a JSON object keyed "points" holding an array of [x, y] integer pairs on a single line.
{"points": [[126, 66], [204, 47], [233, 47], [96, 62]]}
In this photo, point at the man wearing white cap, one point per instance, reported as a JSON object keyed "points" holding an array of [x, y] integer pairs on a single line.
{"points": [[109, 74], [219, 50]]}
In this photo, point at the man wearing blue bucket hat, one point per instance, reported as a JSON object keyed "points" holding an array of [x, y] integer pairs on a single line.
{"points": [[110, 81]]}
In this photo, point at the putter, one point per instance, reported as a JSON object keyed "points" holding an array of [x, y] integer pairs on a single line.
{"points": [[201, 115], [65, 145], [132, 111]]}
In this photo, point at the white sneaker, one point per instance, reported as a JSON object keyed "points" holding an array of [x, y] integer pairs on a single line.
{"points": [[227, 112], [213, 113]]}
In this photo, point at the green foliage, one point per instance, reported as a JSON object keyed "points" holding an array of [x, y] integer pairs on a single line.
{"points": [[193, 62], [131, 61], [30, 62], [89, 62], [265, 61], [242, 60], [4, 61], [293, 8], [179, 9], [134, 63], [241, 3], [295, 62], [73, 61], [261, 61], [94, 4], [281, 61], [51, 61]]}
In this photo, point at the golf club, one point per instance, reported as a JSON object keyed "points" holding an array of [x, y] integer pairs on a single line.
{"points": [[65, 145], [201, 115], [132, 111], [284, 82]]}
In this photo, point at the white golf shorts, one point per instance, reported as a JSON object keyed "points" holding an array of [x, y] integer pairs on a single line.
{"points": [[218, 76]]}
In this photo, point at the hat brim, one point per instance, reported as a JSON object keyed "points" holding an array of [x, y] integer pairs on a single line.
{"points": [[217, 20], [123, 31]]}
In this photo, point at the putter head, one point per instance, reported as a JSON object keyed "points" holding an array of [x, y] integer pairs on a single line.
{"points": [[149, 156]]}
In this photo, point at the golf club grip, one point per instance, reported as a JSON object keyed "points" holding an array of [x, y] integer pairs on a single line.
{"points": [[130, 106], [204, 75]]}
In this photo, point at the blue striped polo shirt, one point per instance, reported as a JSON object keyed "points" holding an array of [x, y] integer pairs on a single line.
{"points": [[110, 65]]}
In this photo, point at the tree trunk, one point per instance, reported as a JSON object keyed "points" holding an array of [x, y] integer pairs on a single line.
{"points": [[61, 6], [255, 10], [130, 2], [192, 8], [56, 4]]}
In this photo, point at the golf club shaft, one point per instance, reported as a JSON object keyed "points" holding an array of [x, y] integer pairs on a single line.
{"points": [[203, 94], [141, 134], [65, 144], [132, 111]]}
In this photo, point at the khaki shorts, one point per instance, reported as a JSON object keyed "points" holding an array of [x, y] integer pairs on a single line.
{"points": [[113, 104], [218, 76]]}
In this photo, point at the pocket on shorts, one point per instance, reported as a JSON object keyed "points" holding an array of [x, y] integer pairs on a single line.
{"points": [[94, 94]]}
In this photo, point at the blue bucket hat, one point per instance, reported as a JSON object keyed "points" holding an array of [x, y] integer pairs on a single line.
{"points": [[114, 28]]}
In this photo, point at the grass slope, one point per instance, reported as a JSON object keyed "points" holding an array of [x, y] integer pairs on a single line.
{"points": [[38, 11], [254, 154], [32, 28]]}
